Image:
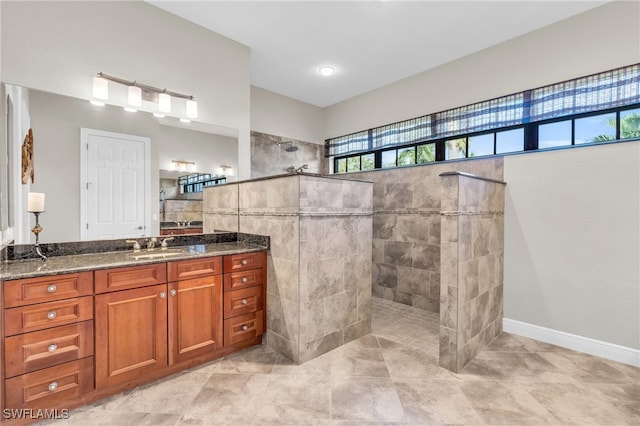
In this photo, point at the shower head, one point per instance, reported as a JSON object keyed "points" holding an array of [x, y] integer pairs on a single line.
{"points": [[290, 148]]}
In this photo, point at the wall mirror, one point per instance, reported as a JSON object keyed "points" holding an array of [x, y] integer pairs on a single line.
{"points": [[57, 121]]}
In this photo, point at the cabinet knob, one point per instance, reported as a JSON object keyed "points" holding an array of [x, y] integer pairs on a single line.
{"points": [[173, 292], [52, 347], [244, 261], [244, 279], [162, 295], [51, 288], [51, 314], [53, 386], [243, 301], [244, 327]]}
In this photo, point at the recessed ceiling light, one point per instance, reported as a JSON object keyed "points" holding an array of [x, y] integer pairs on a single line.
{"points": [[327, 70], [96, 102], [158, 114], [130, 109]]}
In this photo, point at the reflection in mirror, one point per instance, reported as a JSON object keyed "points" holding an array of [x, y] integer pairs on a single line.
{"points": [[57, 121]]}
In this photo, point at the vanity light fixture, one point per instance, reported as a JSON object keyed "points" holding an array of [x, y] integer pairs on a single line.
{"points": [[225, 170], [183, 166], [327, 70], [138, 92]]}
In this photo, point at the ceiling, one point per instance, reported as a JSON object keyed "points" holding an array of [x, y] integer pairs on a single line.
{"points": [[370, 43]]}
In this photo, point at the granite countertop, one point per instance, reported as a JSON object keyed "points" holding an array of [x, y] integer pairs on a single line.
{"points": [[54, 265]]}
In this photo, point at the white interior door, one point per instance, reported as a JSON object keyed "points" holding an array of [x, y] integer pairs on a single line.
{"points": [[115, 185]]}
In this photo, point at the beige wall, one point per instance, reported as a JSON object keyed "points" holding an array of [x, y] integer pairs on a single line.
{"points": [[572, 241], [603, 38], [59, 46], [279, 115]]}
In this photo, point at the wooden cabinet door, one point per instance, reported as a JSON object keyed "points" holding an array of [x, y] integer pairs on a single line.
{"points": [[195, 317], [131, 334]]}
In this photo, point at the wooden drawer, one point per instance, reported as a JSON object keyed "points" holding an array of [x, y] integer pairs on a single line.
{"points": [[243, 327], [46, 348], [24, 319], [195, 268], [45, 289], [239, 262], [243, 279], [52, 386], [242, 301], [130, 277]]}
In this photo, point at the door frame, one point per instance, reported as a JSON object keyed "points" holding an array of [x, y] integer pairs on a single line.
{"points": [[84, 146]]}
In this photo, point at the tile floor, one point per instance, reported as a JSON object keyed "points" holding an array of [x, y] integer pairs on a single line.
{"points": [[388, 377]]}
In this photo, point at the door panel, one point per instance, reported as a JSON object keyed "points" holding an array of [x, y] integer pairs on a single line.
{"points": [[116, 196]]}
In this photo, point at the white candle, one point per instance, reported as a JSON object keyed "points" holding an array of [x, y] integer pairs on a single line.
{"points": [[35, 202]]}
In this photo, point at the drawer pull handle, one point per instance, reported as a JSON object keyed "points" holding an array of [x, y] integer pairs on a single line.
{"points": [[245, 279], [51, 314], [52, 347], [244, 261], [162, 295], [53, 386], [173, 292], [244, 327], [51, 288], [244, 301]]}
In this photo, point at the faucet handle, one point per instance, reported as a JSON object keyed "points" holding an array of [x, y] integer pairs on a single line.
{"points": [[136, 244], [164, 244]]}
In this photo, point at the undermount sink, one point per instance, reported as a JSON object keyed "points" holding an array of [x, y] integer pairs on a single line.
{"points": [[156, 254]]}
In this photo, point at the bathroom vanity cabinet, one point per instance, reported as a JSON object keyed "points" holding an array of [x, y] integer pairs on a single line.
{"points": [[74, 338]]}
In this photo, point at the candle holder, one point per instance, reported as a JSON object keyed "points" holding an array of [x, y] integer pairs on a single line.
{"points": [[36, 230]]}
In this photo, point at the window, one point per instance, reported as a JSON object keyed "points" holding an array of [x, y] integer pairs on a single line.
{"points": [[406, 156], [455, 148], [426, 153], [368, 162], [510, 141], [630, 124], [597, 108], [389, 158], [554, 134], [596, 128], [481, 145]]}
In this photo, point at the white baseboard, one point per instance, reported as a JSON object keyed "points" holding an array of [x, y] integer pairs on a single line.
{"points": [[571, 341]]}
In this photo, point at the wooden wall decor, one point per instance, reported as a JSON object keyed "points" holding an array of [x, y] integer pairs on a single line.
{"points": [[27, 158]]}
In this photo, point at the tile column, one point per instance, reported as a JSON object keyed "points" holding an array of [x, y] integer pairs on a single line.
{"points": [[472, 253]]}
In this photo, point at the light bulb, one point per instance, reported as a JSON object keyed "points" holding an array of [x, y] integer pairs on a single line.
{"points": [[135, 96], [327, 70], [185, 120], [164, 102], [192, 108], [100, 88]]}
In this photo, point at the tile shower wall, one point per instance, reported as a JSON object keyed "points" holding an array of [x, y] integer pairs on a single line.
{"points": [[472, 252], [319, 263], [268, 159], [220, 208], [406, 229]]}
